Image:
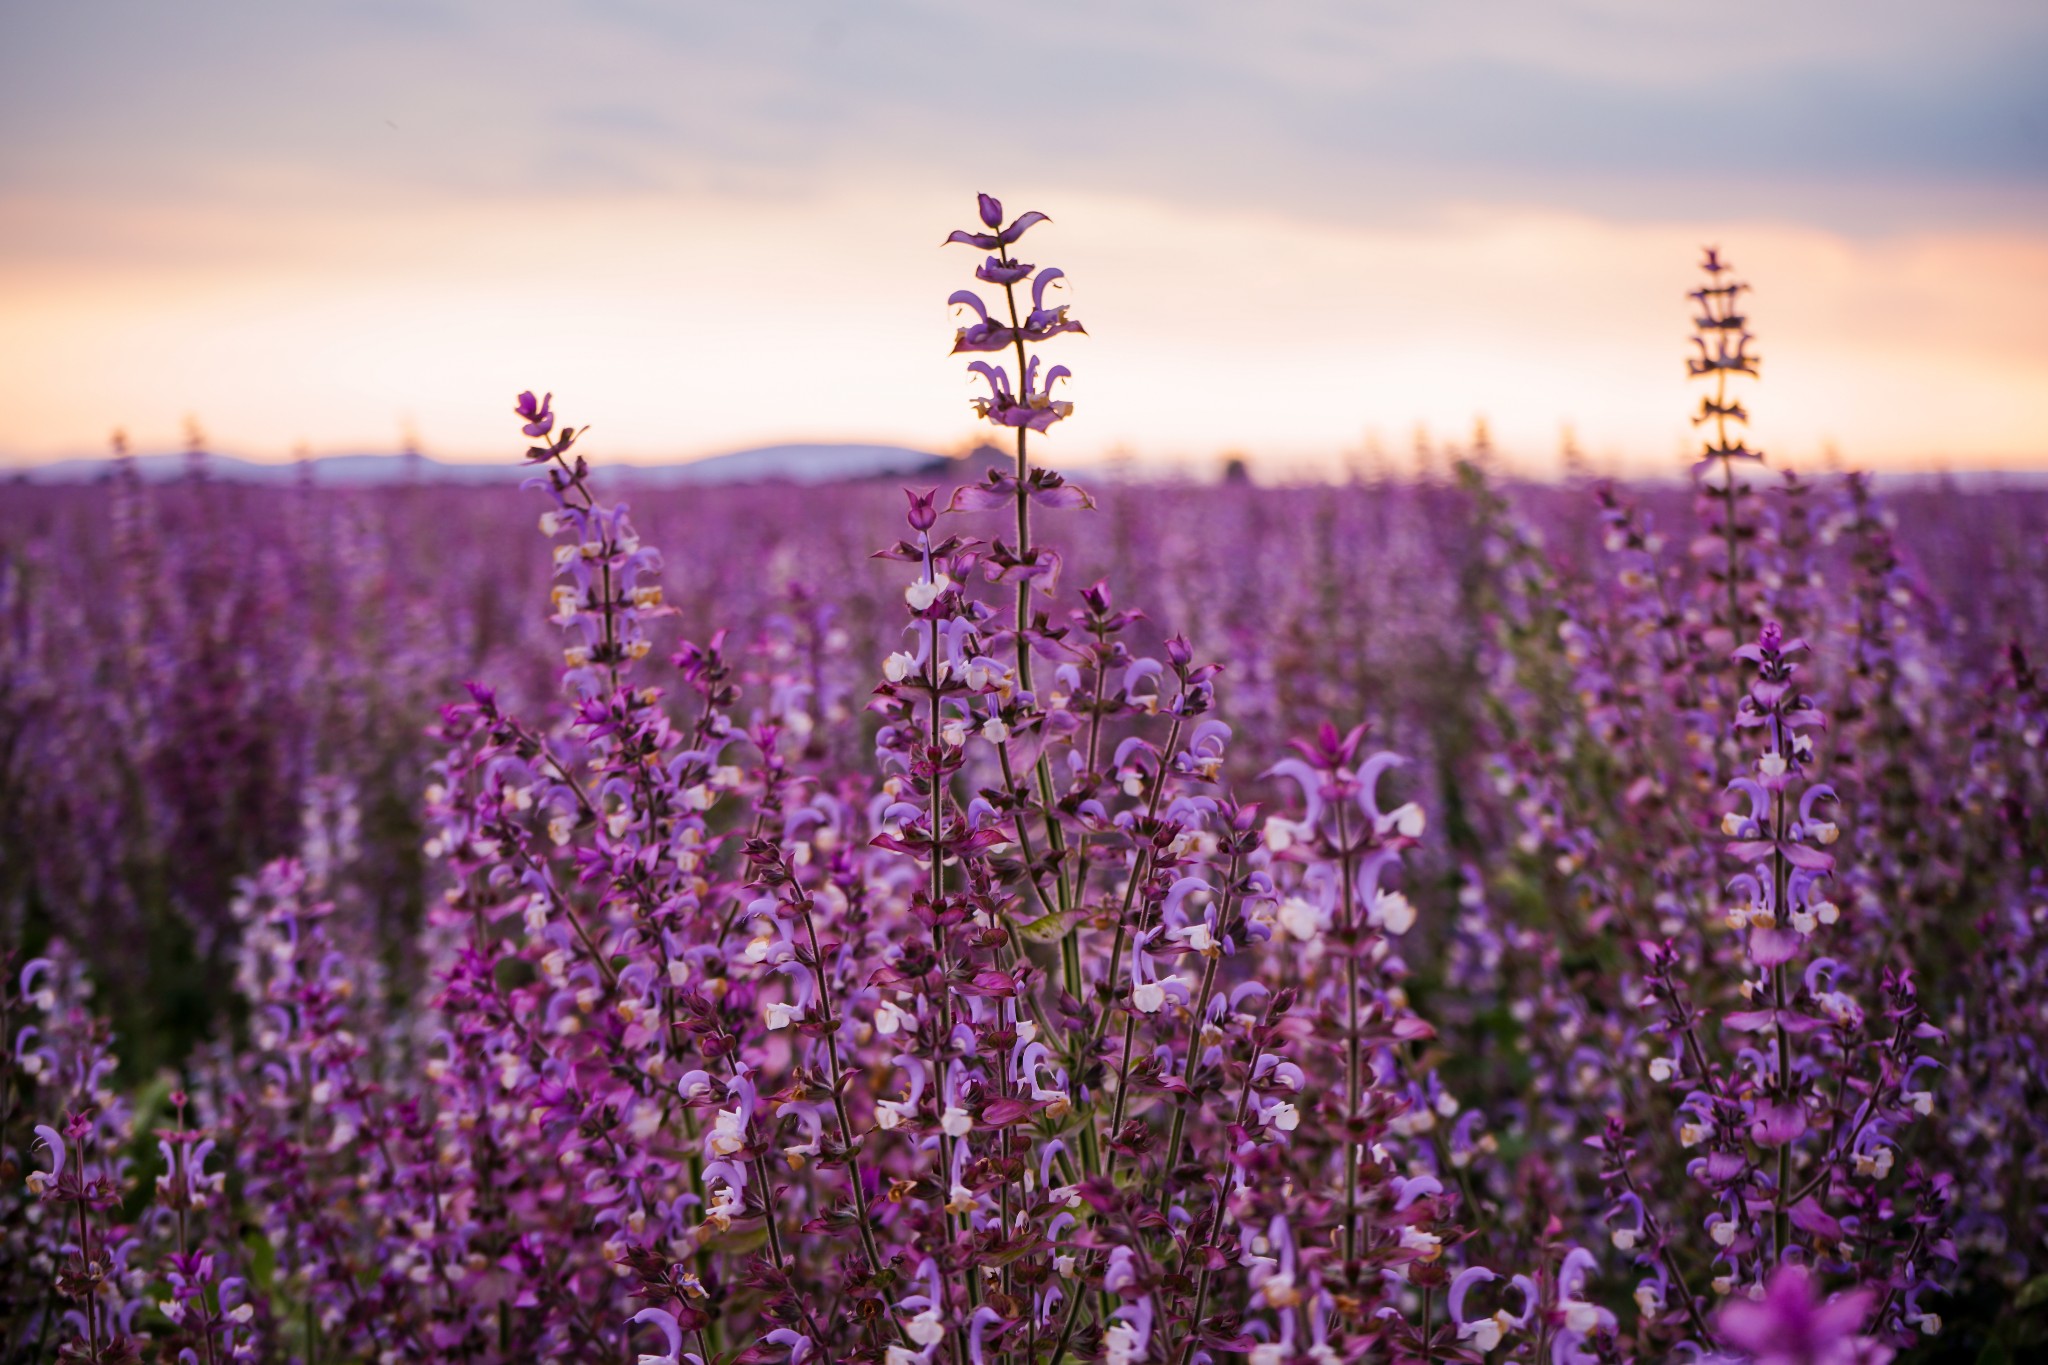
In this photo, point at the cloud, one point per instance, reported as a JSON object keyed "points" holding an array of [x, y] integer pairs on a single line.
{"points": [[1852, 113]]}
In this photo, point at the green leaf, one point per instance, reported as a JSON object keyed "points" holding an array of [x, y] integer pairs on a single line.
{"points": [[2033, 1293], [262, 1259], [1047, 928]]}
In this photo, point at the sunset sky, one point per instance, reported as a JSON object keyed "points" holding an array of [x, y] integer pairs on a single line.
{"points": [[1292, 228]]}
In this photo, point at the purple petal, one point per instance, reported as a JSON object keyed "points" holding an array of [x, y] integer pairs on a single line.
{"points": [[1024, 224], [1777, 1123], [1772, 947], [978, 497]]}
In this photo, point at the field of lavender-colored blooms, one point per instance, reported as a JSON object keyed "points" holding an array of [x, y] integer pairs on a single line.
{"points": [[1431, 920]]}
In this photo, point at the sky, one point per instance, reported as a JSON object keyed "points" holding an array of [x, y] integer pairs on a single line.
{"points": [[1314, 232]]}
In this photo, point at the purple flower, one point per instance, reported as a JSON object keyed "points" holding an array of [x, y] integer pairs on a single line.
{"points": [[1791, 1325], [991, 211], [539, 416], [982, 335]]}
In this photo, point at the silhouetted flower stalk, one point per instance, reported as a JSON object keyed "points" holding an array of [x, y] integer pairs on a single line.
{"points": [[1721, 339]]}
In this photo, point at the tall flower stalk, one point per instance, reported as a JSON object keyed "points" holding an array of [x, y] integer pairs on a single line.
{"points": [[1022, 403], [1721, 340]]}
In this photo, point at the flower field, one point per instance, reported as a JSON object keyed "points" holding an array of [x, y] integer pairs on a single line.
{"points": [[1008, 924]]}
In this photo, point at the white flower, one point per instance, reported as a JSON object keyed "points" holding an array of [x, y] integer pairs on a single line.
{"points": [[925, 1329], [1408, 820], [782, 1016], [1279, 833], [891, 1018], [1723, 1232], [924, 592], [1827, 912], [1624, 1239], [1824, 832], [956, 1122], [1283, 1116], [1732, 823], [994, 731], [1771, 764], [729, 1133], [1413, 1122], [1279, 1291], [1120, 1345], [1580, 1316], [1805, 922], [903, 1355], [1392, 912], [1197, 937], [1921, 1100], [1428, 1243], [1300, 918], [1064, 1265], [1483, 1333], [1147, 997], [1691, 1134], [1838, 1006], [724, 1207], [1661, 1069]]}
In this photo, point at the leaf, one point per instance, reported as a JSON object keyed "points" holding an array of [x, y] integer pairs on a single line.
{"points": [[1047, 928], [1007, 1252], [2033, 1293], [262, 1259]]}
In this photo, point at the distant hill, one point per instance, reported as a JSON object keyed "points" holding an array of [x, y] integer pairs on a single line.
{"points": [[822, 463], [791, 463]]}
